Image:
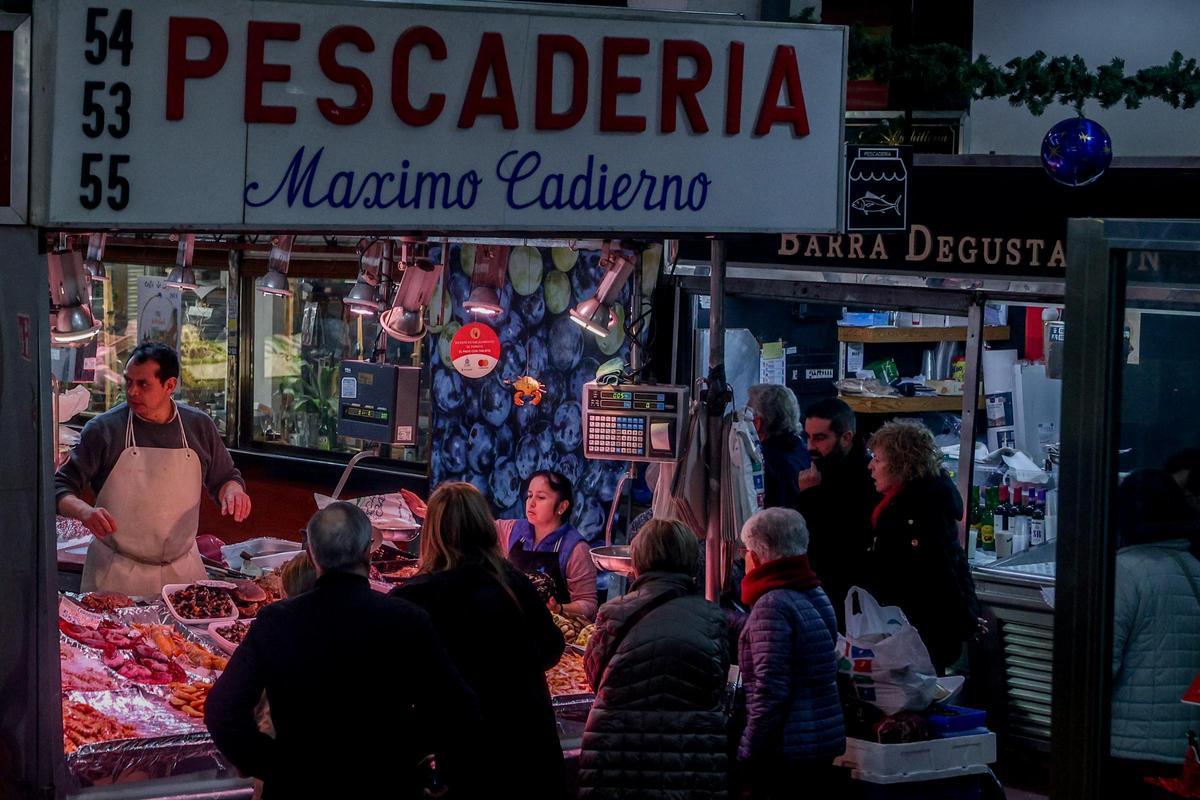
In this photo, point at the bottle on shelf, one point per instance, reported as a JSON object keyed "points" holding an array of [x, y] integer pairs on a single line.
{"points": [[1020, 508], [1000, 514], [1037, 519], [1019, 521], [974, 522], [987, 530]]}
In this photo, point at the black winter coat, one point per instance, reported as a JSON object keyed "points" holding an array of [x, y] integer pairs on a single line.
{"points": [[321, 657], [657, 729], [916, 563], [502, 652], [838, 514], [784, 458]]}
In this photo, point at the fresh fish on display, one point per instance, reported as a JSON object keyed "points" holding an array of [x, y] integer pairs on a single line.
{"points": [[871, 203]]}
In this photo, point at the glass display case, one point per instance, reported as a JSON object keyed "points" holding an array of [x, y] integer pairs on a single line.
{"points": [[135, 307], [298, 343]]}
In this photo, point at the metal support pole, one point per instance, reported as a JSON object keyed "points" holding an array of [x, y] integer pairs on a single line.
{"points": [[715, 409], [966, 441]]}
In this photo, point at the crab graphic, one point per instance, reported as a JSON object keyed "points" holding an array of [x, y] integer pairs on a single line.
{"points": [[527, 389]]}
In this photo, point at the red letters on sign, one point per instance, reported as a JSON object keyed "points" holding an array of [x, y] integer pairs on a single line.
{"points": [[491, 58], [613, 84], [401, 56], [180, 68], [363, 94], [684, 89], [258, 72], [733, 88], [783, 68], [545, 117]]}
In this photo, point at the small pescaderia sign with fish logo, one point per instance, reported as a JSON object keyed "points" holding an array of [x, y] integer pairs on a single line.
{"points": [[877, 187]]}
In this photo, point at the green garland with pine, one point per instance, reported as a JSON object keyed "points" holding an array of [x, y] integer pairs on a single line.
{"points": [[1035, 81]]}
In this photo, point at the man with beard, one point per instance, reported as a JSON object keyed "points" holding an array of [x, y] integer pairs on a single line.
{"points": [[836, 498]]}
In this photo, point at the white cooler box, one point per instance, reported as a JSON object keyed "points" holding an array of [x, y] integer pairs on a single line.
{"points": [[953, 755]]}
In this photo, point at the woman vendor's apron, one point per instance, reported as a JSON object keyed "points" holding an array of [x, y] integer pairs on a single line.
{"points": [[536, 563], [153, 493]]}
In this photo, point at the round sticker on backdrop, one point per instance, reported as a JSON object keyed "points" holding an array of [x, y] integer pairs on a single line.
{"points": [[475, 350]]}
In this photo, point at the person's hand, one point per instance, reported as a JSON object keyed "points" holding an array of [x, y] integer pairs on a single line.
{"points": [[554, 606], [809, 479], [981, 628], [100, 522], [234, 500]]}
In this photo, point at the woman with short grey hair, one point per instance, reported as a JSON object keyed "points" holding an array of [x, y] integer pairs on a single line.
{"points": [[776, 418], [794, 727], [775, 533], [658, 662]]}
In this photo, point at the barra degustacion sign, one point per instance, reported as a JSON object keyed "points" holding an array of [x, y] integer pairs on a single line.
{"points": [[273, 114]]}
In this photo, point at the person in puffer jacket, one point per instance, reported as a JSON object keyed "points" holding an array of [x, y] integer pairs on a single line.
{"points": [[794, 726], [1156, 630], [659, 664]]}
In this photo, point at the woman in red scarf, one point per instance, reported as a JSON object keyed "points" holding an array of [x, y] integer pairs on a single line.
{"points": [[794, 727], [915, 561]]}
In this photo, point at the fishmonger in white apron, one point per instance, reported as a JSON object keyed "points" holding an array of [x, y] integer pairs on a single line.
{"points": [[153, 493]]}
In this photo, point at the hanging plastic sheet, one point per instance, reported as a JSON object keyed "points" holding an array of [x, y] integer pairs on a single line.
{"points": [[690, 486]]}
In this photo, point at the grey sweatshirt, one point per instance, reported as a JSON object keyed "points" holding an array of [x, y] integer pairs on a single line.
{"points": [[103, 440]]}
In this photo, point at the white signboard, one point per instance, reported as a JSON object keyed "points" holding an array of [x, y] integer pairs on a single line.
{"points": [[158, 312], [270, 115]]}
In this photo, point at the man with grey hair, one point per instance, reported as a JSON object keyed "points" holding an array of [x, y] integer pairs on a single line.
{"points": [[316, 656], [794, 727], [776, 417]]}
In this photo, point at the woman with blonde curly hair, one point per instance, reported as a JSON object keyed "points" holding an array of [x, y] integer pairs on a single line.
{"points": [[916, 561]]}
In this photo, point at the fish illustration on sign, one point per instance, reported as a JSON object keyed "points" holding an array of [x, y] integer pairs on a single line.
{"points": [[871, 203]]}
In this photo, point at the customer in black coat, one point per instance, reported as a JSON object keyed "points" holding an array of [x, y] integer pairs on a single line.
{"points": [[658, 661], [776, 419], [360, 688], [502, 640], [837, 496], [916, 561]]}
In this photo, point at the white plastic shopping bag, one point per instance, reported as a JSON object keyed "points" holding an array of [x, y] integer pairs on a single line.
{"points": [[745, 475], [884, 657]]}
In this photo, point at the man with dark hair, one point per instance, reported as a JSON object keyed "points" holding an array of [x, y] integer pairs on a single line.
{"points": [[146, 460], [319, 656], [837, 496]]}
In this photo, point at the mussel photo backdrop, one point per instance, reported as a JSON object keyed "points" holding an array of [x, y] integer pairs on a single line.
{"points": [[479, 434]]}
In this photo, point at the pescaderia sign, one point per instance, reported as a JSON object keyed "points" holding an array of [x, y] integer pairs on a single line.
{"points": [[274, 115]]}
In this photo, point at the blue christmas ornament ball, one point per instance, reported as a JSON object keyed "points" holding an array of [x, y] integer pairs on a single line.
{"points": [[1076, 151]]}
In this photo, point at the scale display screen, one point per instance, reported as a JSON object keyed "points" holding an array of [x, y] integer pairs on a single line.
{"points": [[633, 422], [365, 413]]}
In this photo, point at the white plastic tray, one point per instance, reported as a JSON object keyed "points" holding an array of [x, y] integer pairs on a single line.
{"points": [[918, 777], [919, 757], [220, 640], [174, 587]]}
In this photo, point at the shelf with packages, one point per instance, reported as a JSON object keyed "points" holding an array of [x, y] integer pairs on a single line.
{"points": [[904, 405], [918, 334]]}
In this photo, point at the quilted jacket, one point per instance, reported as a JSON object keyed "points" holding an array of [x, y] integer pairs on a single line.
{"points": [[1156, 651], [657, 728], [789, 670]]}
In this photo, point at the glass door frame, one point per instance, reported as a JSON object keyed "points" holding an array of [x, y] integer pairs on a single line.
{"points": [[1096, 292]]}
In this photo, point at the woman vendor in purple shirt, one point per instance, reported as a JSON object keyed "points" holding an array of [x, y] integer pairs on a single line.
{"points": [[548, 548]]}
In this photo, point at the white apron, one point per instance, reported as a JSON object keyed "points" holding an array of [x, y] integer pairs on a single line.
{"points": [[153, 493]]}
